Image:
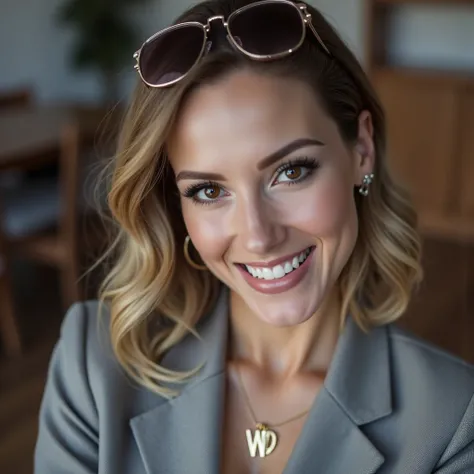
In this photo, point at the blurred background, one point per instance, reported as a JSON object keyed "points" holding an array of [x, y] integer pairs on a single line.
{"points": [[66, 72]]}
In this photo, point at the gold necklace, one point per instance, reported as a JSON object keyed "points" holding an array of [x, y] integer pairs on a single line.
{"points": [[264, 437]]}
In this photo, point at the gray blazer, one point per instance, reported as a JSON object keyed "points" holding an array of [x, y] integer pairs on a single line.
{"points": [[390, 404]]}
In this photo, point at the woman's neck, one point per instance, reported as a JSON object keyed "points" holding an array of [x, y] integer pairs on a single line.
{"points": [[284, 351]]}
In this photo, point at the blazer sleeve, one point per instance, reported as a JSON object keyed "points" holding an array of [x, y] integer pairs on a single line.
{"points": [[68, 423], [458, 458]]}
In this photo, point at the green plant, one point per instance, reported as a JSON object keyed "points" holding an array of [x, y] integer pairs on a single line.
{"points": [[105, 36]]}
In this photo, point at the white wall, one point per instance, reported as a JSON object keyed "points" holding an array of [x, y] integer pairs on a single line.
{"points": [[348, 17], [433, 36], [34, 50]]}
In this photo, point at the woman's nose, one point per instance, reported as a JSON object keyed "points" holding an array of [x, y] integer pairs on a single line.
{"points": [[258, 227]]}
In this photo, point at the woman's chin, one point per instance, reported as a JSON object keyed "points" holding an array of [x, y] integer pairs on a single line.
{"points": [[285, 315]]}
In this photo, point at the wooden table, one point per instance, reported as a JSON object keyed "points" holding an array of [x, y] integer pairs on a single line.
{"points": [[31, 136]]}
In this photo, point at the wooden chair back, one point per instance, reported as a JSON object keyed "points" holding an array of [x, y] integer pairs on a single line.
{"points": [[69, 228], [59, 246]]}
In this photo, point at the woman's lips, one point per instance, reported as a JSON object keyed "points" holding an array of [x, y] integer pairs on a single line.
{"points": [[277, 261], [272, 287]]}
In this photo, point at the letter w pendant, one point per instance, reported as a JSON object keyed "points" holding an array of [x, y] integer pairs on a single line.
{"points": [[262, 438]]}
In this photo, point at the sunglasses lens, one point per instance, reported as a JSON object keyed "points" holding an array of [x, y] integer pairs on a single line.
{"points": [[267, 29], [171, 55]]}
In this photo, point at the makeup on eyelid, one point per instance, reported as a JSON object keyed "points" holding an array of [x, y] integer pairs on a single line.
{"points": [[309, 163], [264, 163]]}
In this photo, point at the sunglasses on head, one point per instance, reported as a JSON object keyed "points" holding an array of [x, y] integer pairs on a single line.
{"points": [[263, 31]]}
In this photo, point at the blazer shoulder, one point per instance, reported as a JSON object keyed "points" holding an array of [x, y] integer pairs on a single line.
{"points": [[85, 333], [431, 360], [86, 320], [82, 314], [433, 393]]}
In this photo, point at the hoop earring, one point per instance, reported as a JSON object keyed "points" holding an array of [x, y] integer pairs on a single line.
{"points": [[188, 258], [364, 189]]}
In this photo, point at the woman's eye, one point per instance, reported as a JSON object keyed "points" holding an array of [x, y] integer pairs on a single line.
{"points": [[294, 173], [204, 193], [209, 193]]}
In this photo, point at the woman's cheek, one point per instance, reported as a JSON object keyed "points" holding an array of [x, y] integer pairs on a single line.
{"points": [[323, 209], [206, 229]]}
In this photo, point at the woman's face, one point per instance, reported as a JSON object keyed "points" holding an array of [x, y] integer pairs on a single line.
{"points": [[267, 191]]}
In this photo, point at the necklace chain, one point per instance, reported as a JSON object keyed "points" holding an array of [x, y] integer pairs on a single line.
{"points": [[249, 405]]}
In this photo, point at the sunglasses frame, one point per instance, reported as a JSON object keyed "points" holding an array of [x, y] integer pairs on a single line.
{"points": [[301, 8]]}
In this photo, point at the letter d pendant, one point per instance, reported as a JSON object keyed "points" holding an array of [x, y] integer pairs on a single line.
{"points": [[263, 439]]}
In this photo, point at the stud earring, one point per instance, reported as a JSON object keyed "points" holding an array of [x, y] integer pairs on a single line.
{"points": [[367, 181], [188, 258]]}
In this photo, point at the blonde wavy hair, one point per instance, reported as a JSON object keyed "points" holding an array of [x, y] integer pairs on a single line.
{"points": [[154, 297]]}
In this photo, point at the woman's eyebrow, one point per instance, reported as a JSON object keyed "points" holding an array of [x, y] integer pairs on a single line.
{"points": [[286, 150], [199, 175], [264, 163]]}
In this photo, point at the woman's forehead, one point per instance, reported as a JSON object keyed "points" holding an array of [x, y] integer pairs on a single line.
{"points": [[247, 110]]}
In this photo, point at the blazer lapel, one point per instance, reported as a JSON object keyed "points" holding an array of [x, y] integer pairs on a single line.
{"points": [[356, 392], [332, 443], [182, 434]]}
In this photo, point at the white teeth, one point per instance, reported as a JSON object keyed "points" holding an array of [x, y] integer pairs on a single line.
{"points": [[279, 271], [288, 267], [268, 274]]}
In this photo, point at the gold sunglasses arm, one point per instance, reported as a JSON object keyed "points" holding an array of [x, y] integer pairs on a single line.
{"points": [[307, 19]]}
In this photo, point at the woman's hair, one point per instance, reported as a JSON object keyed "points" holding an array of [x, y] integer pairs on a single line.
{"points": [[155, 298]]}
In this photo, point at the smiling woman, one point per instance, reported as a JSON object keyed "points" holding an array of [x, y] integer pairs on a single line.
{"points": [[282, 183], [263, 253]]}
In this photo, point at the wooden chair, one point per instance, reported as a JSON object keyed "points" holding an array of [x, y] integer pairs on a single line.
{"points": [[55, 245], [58, 247], [9, 331]]}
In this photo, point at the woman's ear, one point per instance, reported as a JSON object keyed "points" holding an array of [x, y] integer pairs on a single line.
{"points": [[364, 149]]}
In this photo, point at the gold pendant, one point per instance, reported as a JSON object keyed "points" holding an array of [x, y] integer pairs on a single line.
{"points": [[262, 438]]}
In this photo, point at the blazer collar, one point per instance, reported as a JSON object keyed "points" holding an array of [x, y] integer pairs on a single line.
{"points": [[357, 391], [184, 434], [359, 375]]}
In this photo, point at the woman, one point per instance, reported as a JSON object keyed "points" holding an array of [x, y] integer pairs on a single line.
{"points": [[263, 252]]}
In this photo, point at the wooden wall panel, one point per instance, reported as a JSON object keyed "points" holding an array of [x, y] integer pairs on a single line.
{"points": [[466, 151], [422, 126], [430, 126]]}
